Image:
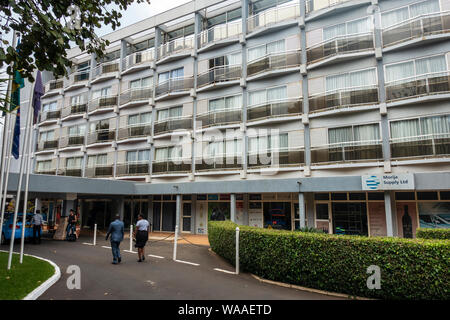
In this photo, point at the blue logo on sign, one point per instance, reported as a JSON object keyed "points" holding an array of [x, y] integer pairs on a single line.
{"points": [[372, 182]]}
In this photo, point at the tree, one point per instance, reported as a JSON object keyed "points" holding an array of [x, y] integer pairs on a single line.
{"points": [[48, 28]]}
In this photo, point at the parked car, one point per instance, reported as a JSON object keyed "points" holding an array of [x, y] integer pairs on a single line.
{"points": [[8, 227]]}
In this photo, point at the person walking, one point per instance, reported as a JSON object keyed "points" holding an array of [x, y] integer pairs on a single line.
{"points": [[37, 221], [116, 232], [72, 223], [141, 235]]}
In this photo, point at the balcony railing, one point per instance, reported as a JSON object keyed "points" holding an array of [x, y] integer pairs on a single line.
{"points": [[71, 172], [219, 162], [139, 168], [50, 115], [219, 117], [273, 16], [102, 103], [99, 171], [74, 109], [175, 85], [71, 141], [418, 27], [138, 58], [106, 68], [135, 94], [54, 85], [274, 61], [351, 151], [219, 75], [340, 45], [430, 145], [47, 145], [50, 171], [180, 45], [344, 97], [101, 136], [172, 166], [217, 33], [169, 125], [312, 5], [283, 157], [78, 76], [428, 84], [280, 108], [135, 131]]}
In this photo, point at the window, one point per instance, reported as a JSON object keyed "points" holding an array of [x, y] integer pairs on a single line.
{"points": [[99, 125], [418, 67], [224, 18], [368, 132], [74, 163], [97, 160], [52, 106], [77, 100], [102, 93], [141, 46], [138, 156], [170, 113], [351, 80], [267, 96], [267, 143], [141, 83], [48, 135], [43, 166], [402, 14], [228, 147], [420, 126], [262, 5], [348, 28], [228, 60], [174, 74], [108, 57], [140, 119], [180, 33], [76, 131], [169, 153], [226, 103], [269, 48]]}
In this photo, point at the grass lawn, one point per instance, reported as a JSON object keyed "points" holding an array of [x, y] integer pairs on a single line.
{"points": [[23, 278]]}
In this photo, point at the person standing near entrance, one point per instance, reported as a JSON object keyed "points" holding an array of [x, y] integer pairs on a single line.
{"points": [[116, 232], [37, 222], [141, 235], [72, 224]]}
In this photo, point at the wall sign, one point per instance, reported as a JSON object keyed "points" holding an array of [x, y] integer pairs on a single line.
{"points": [[403, 181]]}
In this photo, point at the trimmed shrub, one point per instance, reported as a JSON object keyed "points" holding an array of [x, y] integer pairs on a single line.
{"points": [[410, 268], [425, 233]]}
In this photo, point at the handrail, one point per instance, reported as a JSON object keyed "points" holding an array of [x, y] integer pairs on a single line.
{"points": [[340, 37], [187, 43], [173, 118], [290, 11], [147, 55], [295, 99], [210, 112], [273, 54], [419, 17], [310, 8], [418, 77], [276, 150], [203, 37], [421, 137], [348, 144]]}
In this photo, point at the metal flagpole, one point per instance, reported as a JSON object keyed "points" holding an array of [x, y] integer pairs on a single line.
{"points": [[27, 152], [8, 167]]}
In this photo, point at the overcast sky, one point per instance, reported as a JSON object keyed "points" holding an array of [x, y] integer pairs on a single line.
{"points": [[137, 12]]}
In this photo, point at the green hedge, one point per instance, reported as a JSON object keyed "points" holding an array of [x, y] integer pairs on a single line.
{"points": [[424, 233], [410, 268]]}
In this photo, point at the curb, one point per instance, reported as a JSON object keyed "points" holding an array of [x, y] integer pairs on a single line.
{"points": [[36, 293]]}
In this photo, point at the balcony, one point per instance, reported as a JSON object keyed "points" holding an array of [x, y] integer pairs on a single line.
{"points": [[272, 17], [50, 171], [141, 168], [138, 61], [169, 125], [71, 141], [219, 77], [352, 151], [275, 63], [344, 98], [102, 104], [71, 172], [136, 96], [172, 166], [74, 110], [283, 157], [176, 49], [53, 87], [105, 71], [50, 115], [101, 136], [174, 87], [219, 162], [99, 171], [220, 35], [275, 109], [47, 145], [219, 117], [424, 146], [341, 48], [77, 80], [419, 28], [424, 85], [135, 131]]}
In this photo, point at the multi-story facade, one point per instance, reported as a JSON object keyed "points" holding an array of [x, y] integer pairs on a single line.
{"points": [[246, 95]]}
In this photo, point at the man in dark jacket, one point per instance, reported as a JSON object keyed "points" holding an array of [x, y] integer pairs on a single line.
{"points": [[116, 232]]}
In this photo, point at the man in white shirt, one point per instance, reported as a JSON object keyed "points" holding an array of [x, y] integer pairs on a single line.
{"points": [[37, 223], [141, 235]]}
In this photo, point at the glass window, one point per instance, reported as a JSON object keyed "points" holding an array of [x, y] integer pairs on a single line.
{"points": [[433, 195], [348, 28], [402, 14], [269, 95], [369, 132], [138, 155], [272, 47], [351, 80], [434, 214], [322, 211], [409, 69]]}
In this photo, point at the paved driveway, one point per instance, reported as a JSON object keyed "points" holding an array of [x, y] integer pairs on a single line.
{"points": [[155, 278]]}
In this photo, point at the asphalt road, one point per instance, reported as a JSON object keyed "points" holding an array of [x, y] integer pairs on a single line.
{"points": [[155, 278]]}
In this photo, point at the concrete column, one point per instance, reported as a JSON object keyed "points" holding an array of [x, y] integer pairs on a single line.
{"points": [[245, 13], [245, 209], [150, 209], [67, 205], [388, 211], [178, 213], [309, 199], [301, 209], [193, 213], [123, 54], [120, 207], [233, 207]]}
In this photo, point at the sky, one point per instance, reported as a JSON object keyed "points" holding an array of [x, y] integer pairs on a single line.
{"points": [[137, 12]]}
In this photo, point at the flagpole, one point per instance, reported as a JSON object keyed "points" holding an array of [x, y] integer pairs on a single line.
{"points": [[27, 152]]}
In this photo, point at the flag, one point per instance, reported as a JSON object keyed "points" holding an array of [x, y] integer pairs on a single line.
{"points": [[37, 94], [17, 84]]}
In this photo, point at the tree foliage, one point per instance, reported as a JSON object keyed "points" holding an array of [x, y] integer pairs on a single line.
{"points": [[46, 31]]}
